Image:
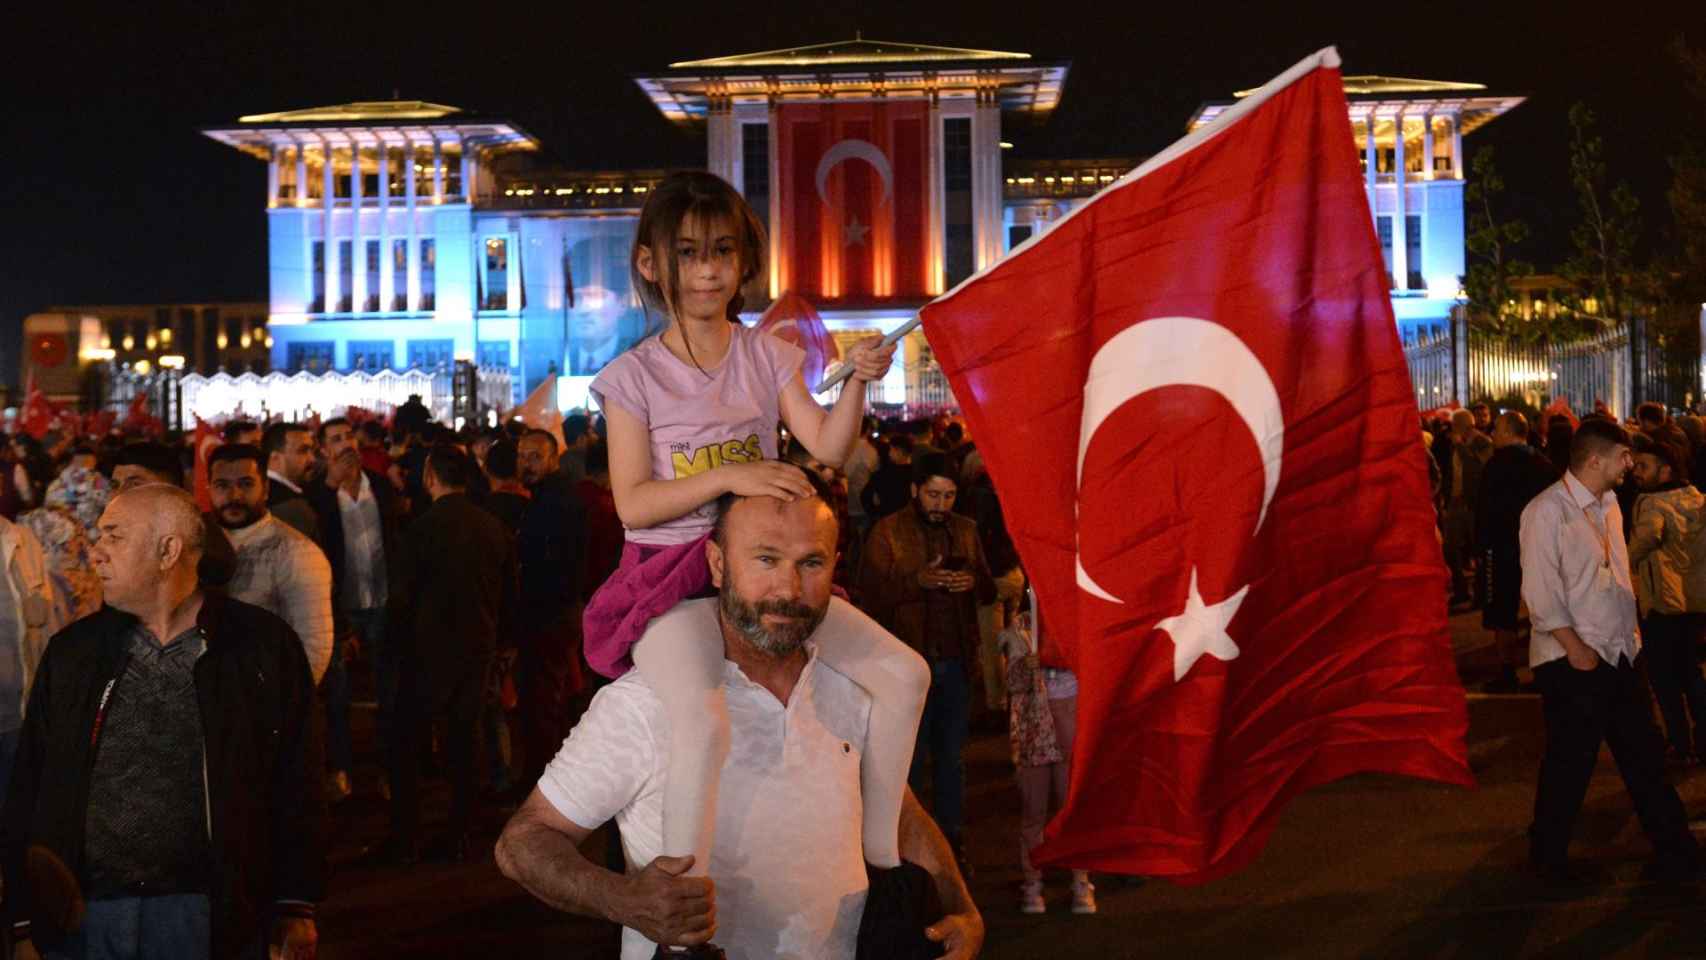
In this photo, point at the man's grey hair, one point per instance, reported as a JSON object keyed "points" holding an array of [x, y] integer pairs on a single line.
{"points": [[173, 511]]}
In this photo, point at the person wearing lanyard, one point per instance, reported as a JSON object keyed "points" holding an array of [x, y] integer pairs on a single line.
{"points": [[1581, 602]]}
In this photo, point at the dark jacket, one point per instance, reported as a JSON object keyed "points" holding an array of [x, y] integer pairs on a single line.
{"points": [[265, 792], [895, 553], [459, 571], [1515, 475], [331, 519], [293, 508], [552, 549]]}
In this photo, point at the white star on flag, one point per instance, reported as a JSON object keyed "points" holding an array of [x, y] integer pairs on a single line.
{"points": [[854, 232], [1201, 629]]}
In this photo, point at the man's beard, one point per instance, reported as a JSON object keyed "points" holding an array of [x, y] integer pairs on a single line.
{"points": [[748, 621], [250, 515]]}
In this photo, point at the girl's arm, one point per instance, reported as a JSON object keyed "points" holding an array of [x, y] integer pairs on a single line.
{"points": [[644, 502], [830, 436]]}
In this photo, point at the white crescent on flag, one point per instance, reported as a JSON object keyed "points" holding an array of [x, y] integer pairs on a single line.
{"points": [[851, 149]]}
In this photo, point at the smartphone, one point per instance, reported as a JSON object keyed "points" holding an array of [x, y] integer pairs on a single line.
{"points": [[953, 563]]}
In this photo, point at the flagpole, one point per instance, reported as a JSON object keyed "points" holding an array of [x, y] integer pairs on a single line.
{"points": [[889, 340]]}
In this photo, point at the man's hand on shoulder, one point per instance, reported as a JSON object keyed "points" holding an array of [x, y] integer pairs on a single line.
{"points": [[960, 933], [667, 908]]}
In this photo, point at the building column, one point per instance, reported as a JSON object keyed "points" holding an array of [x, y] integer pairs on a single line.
{"points": [[330, 259], [1400, 242], [467, 160], [721, 138], [936, 252], [1427, 146], [272, 176], [437, 171], [986, 178], [412, 256], [357, 248], [1371, 159], [387, 275], [779, 265], [1456, 147], [301, 175]]}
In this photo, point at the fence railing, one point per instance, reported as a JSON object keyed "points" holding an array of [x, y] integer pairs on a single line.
{"points": [[926, 394], [1620, 366], [302, 395]]}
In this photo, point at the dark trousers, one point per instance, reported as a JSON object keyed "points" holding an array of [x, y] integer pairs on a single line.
{"points": [[420, 699], [942, 735], [1583, 709], [1667, 651], [549, 674]]}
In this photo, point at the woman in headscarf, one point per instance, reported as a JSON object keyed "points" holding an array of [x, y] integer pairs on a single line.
{"points": [[65, 525]]}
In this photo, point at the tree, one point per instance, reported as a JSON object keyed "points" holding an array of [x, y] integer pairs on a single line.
{"points": [[1605, 238], [1491, 241], [1687, 194]]}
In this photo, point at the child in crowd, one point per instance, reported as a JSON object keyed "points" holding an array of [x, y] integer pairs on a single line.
{"points": [[1042, 707], [692, 416]]}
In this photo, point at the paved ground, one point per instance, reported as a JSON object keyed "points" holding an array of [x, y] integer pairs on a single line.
{"points": [[1368, 867]]}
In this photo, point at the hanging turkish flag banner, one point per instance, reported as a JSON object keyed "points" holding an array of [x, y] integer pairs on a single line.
{"points": [[855, 207], [1192, 398], [791, 319]]}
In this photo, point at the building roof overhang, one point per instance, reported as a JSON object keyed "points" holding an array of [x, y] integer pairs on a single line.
{"points": [[856, 69], [370, 124], [1388, 97]]}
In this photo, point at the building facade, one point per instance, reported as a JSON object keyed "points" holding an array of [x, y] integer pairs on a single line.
{"points": [[411, 234]]}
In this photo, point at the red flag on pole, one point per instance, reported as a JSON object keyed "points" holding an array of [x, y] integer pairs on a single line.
{"points": [[1202, 364], [206, 438], [540, 410], [791, 319], [37, 417]]}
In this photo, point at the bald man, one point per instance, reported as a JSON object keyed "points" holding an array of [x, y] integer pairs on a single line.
{"points": [[166, 755]]}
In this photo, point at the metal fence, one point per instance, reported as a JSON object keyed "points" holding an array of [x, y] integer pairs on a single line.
{"points": [[1621, 366], [302, 395]]}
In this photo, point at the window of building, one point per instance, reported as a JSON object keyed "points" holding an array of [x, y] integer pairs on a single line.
{"points": [[1384, 226], [755, 168], [316, 185], [314, 357], [494, 353], [956, 181], [399, 275], [496, 286], [287, 173], [429, 268], [346, 275], [423, 170], [371, 355], [1018, 234], [369, 173], [318, 305], [453, 171], [371, 298], [431, 354], [1413, 251], [341, 173]]}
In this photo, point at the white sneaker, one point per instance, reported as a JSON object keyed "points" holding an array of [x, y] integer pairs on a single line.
{"points": [[1031, 899], [1083, 896]]}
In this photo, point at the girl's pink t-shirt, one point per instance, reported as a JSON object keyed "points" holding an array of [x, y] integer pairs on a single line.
{"points": [[700, 420]]}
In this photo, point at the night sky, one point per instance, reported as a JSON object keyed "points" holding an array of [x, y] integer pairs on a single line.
{"points": [[112, 196]]}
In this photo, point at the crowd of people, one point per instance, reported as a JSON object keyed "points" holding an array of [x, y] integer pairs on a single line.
{"points": [[1583, 542]]}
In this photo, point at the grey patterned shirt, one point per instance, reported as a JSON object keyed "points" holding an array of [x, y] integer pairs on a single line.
{"points": [[146, 829]]}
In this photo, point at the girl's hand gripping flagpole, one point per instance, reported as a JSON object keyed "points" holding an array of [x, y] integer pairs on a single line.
{"points": [[847, 368]]}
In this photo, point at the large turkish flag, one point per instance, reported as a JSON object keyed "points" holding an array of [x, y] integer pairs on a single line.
{"points": [[852, 179], [1245, 575]]}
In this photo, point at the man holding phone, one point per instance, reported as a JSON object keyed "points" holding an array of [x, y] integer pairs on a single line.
{"points": [[1576, 581], [922, 575]]}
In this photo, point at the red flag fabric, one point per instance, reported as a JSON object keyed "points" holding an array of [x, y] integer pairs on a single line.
{"points": [[540, 410], [852, 180], [39, 413], [1192, 398], [206, 438], [793, 320], [1559, 407]]}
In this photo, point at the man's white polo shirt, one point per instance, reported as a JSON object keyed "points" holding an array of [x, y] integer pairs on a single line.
{"points": [[787, 859]]}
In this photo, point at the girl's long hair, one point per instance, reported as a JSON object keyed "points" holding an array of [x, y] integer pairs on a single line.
{"points": [[702, 198]]}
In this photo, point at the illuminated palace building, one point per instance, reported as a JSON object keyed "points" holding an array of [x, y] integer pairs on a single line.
{"points": [[413, 234]]}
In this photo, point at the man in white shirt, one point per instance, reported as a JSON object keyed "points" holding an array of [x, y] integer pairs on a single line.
{"points": [[787, 863], [1576, 582]]}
